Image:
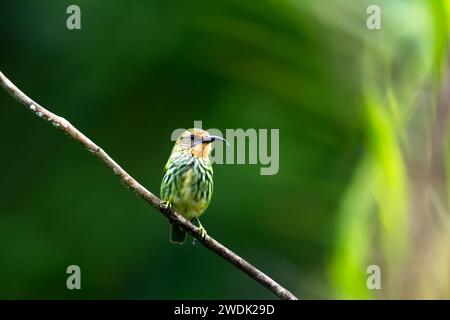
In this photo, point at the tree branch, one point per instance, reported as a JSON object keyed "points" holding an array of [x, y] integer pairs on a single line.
{"points": [[65, 126]]}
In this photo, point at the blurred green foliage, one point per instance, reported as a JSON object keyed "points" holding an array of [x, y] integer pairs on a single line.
{"points": [[363, 146]]}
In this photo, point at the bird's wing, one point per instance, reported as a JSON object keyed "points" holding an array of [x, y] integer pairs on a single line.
{"points": [[166, 166]]}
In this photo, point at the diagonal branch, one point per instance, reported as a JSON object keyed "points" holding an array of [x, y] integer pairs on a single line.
{"points": [[65, 126]]}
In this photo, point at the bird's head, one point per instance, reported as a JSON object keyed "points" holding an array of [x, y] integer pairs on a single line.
{"points": [[197, 142]]}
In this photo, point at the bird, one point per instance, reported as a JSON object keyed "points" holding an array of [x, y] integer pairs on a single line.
{"points": [[187, 183]]}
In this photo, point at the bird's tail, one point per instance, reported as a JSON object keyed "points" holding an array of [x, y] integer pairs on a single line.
{"points": [[177, 235]]}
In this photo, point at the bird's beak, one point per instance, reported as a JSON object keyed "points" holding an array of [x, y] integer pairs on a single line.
{"points": [[210, 139]]}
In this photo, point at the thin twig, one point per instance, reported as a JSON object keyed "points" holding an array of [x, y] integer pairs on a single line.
{"points": [[65, 126]]}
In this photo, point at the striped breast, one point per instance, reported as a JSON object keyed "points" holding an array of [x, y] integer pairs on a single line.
{"points": [[187, 183]]}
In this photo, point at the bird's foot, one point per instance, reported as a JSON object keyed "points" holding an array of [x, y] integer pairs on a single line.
{"points": [[201, 229], [203, 232], [165, 205]]}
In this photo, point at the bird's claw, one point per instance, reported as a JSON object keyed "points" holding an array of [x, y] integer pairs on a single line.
{"points": [[201, 229], [166, 205], [202, 232]]}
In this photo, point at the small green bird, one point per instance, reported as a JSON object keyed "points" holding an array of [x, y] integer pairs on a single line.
{"points": [[187, 184]]}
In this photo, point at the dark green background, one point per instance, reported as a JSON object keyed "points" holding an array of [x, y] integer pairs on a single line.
{"points": [[136, 71]]}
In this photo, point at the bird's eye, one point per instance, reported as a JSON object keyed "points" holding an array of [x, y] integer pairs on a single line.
{"points": [[192, 137]]}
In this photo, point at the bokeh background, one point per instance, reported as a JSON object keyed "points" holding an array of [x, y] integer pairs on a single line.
{"points": [[364, 156]]}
